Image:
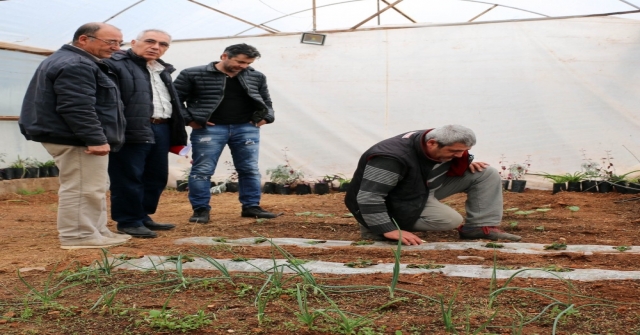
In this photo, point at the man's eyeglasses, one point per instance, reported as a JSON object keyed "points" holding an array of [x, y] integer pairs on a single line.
{"points": [[153, 42], [109, 42]]}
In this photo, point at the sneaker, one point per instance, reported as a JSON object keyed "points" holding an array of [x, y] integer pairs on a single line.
{"points": [[92, 243], [258, 212], [200, 216], [367, 234], [487, 232], [118, 236]]}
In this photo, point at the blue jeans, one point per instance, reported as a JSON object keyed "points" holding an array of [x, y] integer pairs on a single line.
{"points": [[207, 144], [138, 175]]}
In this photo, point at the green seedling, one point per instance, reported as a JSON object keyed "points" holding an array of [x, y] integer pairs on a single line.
{"points": [[347, 215], [513, 209], [622, 248], [315, 242], [304, 214], [539, 228], [23, 191], [494, 245], [125, 257], [182, 258], [259, 240], [261, 220], [297, 261], [362, 242], [320, 215], [428, 266], [239, 259], [513, 225], [507, 267], [220, 239], [524, 213], [573, 209], [360, 263], [556, 246], [543, 211], [556, 268]]}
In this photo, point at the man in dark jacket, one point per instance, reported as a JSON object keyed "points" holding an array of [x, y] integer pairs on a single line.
{"points": [[401, 180], [72, 106], [227, 103], [139, 171]]}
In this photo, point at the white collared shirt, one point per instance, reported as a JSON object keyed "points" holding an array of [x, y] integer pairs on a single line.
{"points": [[161, 99]]}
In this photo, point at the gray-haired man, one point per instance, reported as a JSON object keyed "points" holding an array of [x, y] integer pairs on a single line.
{"points": [[403, 178]]}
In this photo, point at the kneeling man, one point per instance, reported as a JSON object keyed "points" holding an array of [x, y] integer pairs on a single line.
{"points": [[404, 177]]}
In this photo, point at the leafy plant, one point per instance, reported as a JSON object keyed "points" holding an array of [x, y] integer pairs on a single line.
{"points": [[556, 268], [524, 213], [164, 320], [573, 209], [284, 173], [259, 240], [362, 242], [315, 242], [513, 225], [622, 248], [360, 263], [543, 211], [556, 246], [576, 177], [220, 239], [494, 245], [539, 228], [556, 178], [518, 171]]}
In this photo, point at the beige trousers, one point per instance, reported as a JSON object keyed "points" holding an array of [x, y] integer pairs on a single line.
{"points": [[82, 203]]}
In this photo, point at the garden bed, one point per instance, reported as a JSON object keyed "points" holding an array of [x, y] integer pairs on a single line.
{"points": [[210, 302]]}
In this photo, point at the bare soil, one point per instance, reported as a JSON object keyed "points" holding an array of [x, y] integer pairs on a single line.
{"points": [[28, 239]]}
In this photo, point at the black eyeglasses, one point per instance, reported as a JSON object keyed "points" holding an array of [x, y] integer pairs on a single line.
{"points": [[109, 42], [153, 42]]}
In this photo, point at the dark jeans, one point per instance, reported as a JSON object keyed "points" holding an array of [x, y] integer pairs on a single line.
{"points": [[207, 143], [138, 175]]}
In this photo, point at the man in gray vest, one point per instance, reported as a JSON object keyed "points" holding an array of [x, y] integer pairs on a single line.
{"points": [[402, 179]]}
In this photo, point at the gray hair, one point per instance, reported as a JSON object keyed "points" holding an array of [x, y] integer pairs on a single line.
{"points": [[451, 134], [153, 30]]}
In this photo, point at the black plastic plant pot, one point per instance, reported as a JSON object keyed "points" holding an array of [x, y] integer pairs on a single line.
{"points": [[283, 189], [321, 188], [7, 174], [343, 187], [589, 186], [232, 186], [183, 185], [302, 189], [505, 184], [604, 187], [559, 187], [518, 185], [573, 186], [31, 172], [620, 187], [54, 171], [43, 172], [633, 188], [269, 188]]}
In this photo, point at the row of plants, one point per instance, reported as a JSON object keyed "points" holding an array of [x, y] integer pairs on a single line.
{"points": [[27, 168], [592, 177]]}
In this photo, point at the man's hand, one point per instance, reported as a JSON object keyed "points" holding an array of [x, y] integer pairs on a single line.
{"points": [[259, 124], [98, 150], [477, 166], [195, 125], [407, 237]]}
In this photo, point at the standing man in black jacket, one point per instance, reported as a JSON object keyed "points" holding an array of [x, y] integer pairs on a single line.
{"points": [[139, 171], [72, 106], [227, 103]]}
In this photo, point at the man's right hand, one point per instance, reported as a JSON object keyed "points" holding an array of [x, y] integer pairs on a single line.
{"points": [[407, 237], [98, 150], [195, 125]]}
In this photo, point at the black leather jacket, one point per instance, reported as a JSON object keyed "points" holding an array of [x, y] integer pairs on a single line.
{"points": [[73, 100], [134, 81], [202, 89]]}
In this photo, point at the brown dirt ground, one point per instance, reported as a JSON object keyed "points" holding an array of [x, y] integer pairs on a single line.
{"points": [[29, 239]]}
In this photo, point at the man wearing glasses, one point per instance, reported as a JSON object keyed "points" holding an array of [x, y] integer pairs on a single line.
{"points": [[72, 106], [139, 171]]}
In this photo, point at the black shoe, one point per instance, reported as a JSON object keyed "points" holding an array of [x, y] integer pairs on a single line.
{"points": [[139, 232], [200, 216], [487, 233], [158, 226], [258, 212]]}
